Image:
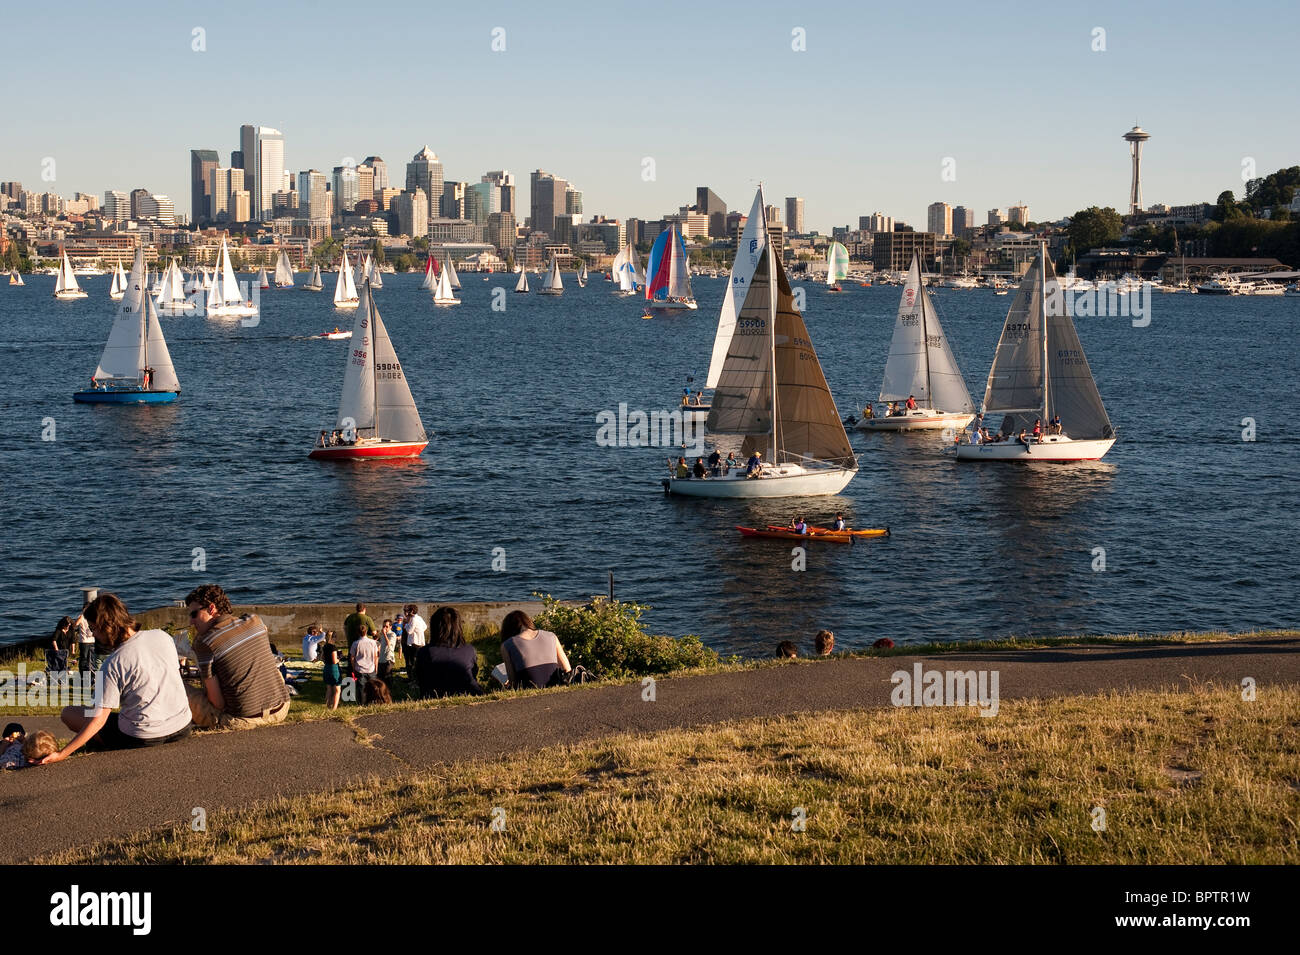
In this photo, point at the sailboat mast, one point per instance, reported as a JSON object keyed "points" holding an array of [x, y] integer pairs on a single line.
{"points": [[771, 337], [925, 342], [1042, 314]]}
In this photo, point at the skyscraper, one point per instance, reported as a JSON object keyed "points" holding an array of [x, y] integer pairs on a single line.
{"points": [[262, 150], [424, 171], [547, 200], [347, 188], [312, 201], [876, 222], [505, 182], [794, 214], [117, 205], [412, 210], [202, 162], [366, 182], [962, 219], [1018, 214], [453, 200], [137, 195], [380, 169], [939, 218]]}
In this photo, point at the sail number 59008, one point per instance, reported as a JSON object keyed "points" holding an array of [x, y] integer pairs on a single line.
{"points": [[751, 325]]}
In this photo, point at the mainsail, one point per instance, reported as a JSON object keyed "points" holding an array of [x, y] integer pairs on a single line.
{"points": [[921, 363], [1016, 380], [283, 271], [750, 250], [345, 289], [1071, 390], [67, 280], [772, 389], [452, 278], [376, 397], [522, 284], [837, 263]]}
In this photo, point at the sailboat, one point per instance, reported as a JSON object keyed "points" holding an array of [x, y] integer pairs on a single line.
{"points": [[431, 270], [283, 271], [209, 277], [668, 274], [194, 283], [442, 292], [749, 251], [582, 275], [377, 417], [837, 266], [553, 285], [773, 392], [226, 299], [172, 299], [66, 287], [263, 280], [118, 288], [452, 278], [921, 366], [1040, 372], [373, 276], [136, 366], [15, 278], [315, 283], [626, 271], [155, 283], [345, 289], [522, 284]]}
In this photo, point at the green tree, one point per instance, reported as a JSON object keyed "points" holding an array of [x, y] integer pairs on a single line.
{"points": [[377, 250], [960, 248], [420, 243], [1093, 228], [404, 262], [1226, 208]]}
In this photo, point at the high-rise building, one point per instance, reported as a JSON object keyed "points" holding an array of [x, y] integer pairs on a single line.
{"points": [[137, 196], [240, 205], [963, 219], [996, 218], [938, 218], [876, 222], [794, 214], [366, 182], [202, 162], [13, 189], [424, 171], [312, 197], [481, 200], [501, 230], [546, 199], [380, 169], [1018, 214], [263, 164], [453, 200], [572, 202], [505, 183], [386, 196], [117, 205], [219, 193], [412, 211], [156, 208], [772, 214], [893, 251], [347, 188], [708, 204]]}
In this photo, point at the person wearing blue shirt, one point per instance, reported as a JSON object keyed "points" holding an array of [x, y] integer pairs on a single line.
{"points": [[755, 464], [839, 524]]}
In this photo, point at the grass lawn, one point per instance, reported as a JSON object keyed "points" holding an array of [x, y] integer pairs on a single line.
{"points": [[1182, 776]]}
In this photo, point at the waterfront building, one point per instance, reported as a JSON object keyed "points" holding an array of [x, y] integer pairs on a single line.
{"points": [[794, 214], [893, 251]]}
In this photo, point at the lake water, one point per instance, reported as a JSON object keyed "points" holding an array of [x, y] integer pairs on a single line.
{"points": [[1197, 525]]}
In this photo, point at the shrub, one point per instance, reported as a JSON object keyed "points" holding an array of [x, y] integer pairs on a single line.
{"points": [[607, 638]]}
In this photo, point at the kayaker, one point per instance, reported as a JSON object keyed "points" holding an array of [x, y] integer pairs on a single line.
{"points": [[839, 524], [799, 526]]}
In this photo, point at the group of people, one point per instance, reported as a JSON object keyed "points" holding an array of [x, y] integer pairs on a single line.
{"points": [[332, 439], [718, 466], [980, 435], [895, 408], [689, 400], [72, 637], [800, 526], [823, 645]]}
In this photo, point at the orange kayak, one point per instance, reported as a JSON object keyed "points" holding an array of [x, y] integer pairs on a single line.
{"points": [[826, 531], [784, 533]]}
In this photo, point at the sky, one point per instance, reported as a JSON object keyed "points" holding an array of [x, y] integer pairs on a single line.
{"points": [[856, 107]]}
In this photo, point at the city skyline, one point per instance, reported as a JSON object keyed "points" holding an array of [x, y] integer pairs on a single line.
{"points": [[845, 162]]}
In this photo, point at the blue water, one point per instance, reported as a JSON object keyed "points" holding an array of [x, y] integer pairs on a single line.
{"points": [[1197, 525]]}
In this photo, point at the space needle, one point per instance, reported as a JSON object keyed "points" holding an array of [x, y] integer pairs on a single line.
{"points": [[1136, 137]]}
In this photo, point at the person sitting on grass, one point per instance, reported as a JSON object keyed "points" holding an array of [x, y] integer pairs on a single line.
{"points": [[786, 650], [11, 747], [140, 676], [448, 666], [376, 691], [533, 658], [242, 683], [824, 643]]}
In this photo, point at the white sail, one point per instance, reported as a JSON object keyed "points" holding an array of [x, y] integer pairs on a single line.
{"points": [[156, 356], [283, 271], [123, 356], [173, 291], [67, 280], [452, 278], [345, 289], [1016, 380], [752, 242], [553, 281], [208, 279], [357, 402], [522, 284], [365, 269], [430, 279], [225, 284], [376, 396], [315, 282], [373, 276], [679, 269], [442, 292], [582, 272], [263, 280], [622, 270], [118, 288], [921, 363], [638, 275]]}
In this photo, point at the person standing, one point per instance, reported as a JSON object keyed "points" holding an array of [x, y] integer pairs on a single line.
{"points": [[352, 624], [330, 671], [399, 633], [56, 657], [364, 658], [416, 629], [387, 649], [242, 685], [88, 658]]}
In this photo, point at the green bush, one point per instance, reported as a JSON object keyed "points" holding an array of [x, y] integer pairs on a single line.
{"points": [[606, 637]]}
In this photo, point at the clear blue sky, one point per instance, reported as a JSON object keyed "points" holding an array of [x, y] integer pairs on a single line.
{"points": [[860, 121]]}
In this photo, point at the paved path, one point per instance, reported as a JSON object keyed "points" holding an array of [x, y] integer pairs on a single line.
{"points": [[94, 797]]}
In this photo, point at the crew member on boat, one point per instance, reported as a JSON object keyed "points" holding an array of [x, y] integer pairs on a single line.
{"points": [[682, 470], [1056, 424], [715, 463], [1025, 441], [1038, 430], [731, 463], [701, 472], [911, 402], [755, 464]]}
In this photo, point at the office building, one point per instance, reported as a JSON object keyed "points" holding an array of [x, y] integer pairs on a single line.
{"points": [[963, 220], [501, 230], [794, 214], [412, 212], [547, 200], [424, 171], [876, 222], [117, 205], [312, 198], [366, 182], [572, 202], [996, 218], [1018, 214], [262, 160], [938, 218], [202, 162], [156, 208], [346, 186], [505, 183], [137, 196], [379, 170], [893, 251]]}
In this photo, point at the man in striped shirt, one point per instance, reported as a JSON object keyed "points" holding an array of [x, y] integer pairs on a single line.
{"points": [[242, 686]]}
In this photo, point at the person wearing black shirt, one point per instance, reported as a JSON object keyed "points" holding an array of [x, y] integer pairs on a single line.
{"points": [[447, 666]]}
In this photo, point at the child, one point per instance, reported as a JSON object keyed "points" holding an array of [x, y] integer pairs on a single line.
{"points": [[37, 746], [11, 747]]}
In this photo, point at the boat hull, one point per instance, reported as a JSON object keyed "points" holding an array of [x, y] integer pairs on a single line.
{"points": [[347, 306], [670, 307], [231, 311], [368, 451], [781, 534], [780, 481], [125, 397], [68, 296], [917, 421], [1053, 449]]}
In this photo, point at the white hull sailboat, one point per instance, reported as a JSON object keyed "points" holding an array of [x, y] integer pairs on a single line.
{"points": [[136, 367], [118, 288], [1040, 372], [314, 283], [553, 285], [922, 368], [66, 287], [522, 285], [345, 288], [377, 417], [283, 271], [453, 280], [172, 299], [773, 392], [442, 293], [668, 274], [226, 298]]}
